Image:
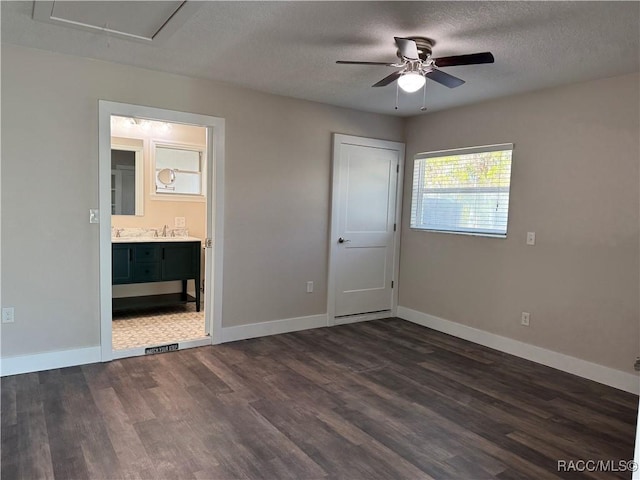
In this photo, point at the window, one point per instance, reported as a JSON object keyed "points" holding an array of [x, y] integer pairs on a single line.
{"points": [[178, 170], [462, 191]]}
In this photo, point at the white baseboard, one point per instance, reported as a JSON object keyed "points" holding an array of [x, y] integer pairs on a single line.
{"points": [[48, 360], [273, 327], [582, 368]]}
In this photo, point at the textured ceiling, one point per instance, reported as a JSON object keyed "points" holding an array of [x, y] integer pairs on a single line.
{"points": [[290, 48]]}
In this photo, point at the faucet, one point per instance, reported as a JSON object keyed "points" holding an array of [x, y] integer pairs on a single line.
{"points": [[118, 230], [164, 231]]}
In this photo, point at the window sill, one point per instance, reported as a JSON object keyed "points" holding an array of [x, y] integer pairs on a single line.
{"points": [[468, 234], [176, 197]]}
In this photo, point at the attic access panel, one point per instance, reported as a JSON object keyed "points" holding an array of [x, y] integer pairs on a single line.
{"points": [[142, 21]]}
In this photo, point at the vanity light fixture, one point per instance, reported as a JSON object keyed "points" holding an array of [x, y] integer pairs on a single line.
{"points": [[141, 123], [144, 124]]}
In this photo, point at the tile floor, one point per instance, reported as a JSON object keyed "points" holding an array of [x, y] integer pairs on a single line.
{"points": [[150, 327]]}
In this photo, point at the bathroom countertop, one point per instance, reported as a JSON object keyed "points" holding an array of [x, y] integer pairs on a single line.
{"points": [[153, 239]]}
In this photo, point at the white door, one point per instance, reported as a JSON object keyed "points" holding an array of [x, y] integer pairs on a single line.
{"points": [[364, 243]]}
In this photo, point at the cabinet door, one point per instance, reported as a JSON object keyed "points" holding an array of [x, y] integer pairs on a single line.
{"points": [[179, 261], [121, 263]]}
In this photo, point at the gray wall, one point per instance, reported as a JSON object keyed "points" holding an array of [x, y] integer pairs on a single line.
{"points": [[277, 194], [575, 182]]}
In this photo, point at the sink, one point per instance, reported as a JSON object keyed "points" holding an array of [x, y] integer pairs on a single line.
{"points": [[150, 234]]}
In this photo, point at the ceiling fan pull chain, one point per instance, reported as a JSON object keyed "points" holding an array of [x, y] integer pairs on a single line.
{"points": [[424, 97], [396, 95]]}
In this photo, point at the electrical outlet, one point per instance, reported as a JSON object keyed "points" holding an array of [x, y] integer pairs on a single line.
{"points": [[180, 222], [531, 238], [525, 319], [309, 287], [8, 315]]}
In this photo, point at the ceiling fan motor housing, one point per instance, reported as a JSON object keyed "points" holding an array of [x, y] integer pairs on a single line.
{"points": [[425, 47]]}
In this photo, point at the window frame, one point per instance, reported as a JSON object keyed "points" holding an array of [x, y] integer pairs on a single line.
{"points": [[184, 197], [417, 206]]}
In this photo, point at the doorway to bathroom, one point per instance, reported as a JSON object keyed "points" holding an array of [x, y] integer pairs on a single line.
{"points": [[161, 193]]}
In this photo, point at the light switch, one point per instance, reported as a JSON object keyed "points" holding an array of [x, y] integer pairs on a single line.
{"points": [[8, 315], [531, 238], [94, 215]]}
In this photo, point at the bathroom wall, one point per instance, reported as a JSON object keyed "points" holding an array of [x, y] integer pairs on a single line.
{"points": [[161, 212]]}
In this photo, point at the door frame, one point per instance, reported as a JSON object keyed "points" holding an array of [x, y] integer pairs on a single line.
{"points": [[215, 207], [338, 140]]}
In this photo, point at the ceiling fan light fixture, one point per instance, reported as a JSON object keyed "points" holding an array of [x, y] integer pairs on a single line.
{"points": [[411, 82]]}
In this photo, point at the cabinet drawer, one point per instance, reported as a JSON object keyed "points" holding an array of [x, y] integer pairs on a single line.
{"points": [[146, 272], [147, 253]]}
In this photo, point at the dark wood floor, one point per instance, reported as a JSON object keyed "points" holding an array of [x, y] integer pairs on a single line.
{"points": [[384, 399]]}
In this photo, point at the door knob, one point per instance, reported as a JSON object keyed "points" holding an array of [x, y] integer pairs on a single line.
{"points": [[342, 240]]}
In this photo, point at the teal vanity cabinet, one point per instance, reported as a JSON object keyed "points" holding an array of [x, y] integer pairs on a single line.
{"points": [[156, 261]]}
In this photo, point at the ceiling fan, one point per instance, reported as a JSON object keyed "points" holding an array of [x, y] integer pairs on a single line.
{"points": [[416, 64]]}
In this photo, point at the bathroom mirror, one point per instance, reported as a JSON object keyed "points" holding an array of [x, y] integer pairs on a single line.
{"points": [[126, 180]]}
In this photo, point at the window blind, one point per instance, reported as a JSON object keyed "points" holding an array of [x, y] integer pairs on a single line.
{"points": [[463, 191]]}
